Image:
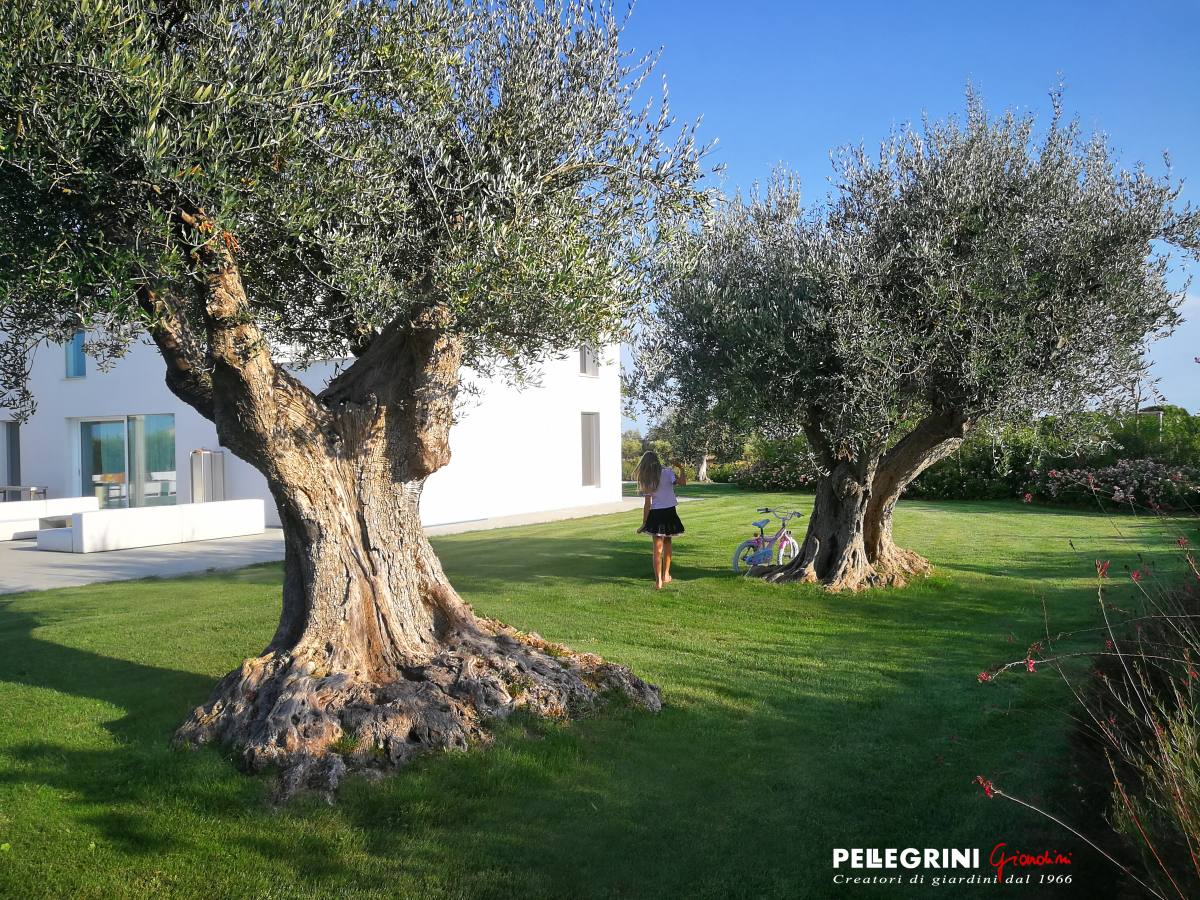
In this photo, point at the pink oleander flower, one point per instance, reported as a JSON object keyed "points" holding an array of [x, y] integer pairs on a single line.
{"points": [[1029, 498]]}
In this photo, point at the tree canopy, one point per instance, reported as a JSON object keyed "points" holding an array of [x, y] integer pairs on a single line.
{"points": [[974, 271], [360, 162]]}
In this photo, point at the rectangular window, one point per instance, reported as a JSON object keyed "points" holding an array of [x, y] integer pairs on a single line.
{"points": [[589, 362], [591, 449], [12, 447], [76, 361], [129, 462]]}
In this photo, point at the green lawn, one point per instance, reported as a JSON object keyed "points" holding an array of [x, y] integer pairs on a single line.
{"points": [[793, 722]]}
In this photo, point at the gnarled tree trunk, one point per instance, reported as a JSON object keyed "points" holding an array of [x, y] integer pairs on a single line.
{"points": [[833, 552], [934, 438], [376, 658], [848, 545]]}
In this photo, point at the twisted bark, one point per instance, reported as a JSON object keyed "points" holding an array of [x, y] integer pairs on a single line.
{"points": [[934, 438], [376, 658]]}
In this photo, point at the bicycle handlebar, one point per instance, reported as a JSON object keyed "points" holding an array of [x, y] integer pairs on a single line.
{"points": [[784, 516]]}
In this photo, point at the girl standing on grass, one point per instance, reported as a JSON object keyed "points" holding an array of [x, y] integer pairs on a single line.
{"points": [[659, 517]]}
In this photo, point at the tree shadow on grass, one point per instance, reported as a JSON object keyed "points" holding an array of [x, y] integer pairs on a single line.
{"points": [[741, 791], [741, 796], [154, 699]]}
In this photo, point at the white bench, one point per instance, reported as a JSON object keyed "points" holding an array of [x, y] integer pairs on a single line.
{"points": [[20, 520], [154, 526]]}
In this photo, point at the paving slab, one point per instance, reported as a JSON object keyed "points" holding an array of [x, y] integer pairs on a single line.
{"points": [[24, 568]]}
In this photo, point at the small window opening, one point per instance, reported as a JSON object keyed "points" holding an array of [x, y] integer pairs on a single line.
{"points": [[589, 362], [76, 360]]}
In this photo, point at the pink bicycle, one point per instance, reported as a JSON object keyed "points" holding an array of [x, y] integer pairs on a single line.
{"points": [[759, 551]]}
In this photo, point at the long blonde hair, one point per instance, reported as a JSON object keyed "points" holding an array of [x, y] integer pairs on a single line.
{"points": [[648, 473]]}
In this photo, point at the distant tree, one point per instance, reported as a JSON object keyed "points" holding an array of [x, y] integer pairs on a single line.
{"points": [[973, 273], [418, 186], [631, 444], [659, 446], [1166, 433], [697, 434]]}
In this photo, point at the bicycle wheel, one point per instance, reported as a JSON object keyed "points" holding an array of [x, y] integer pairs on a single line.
{"points": [[788, 550], [743, 555]]}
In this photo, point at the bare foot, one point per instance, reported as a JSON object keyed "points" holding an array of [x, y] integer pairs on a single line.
{"points": [[658, 586], [666, 578]]}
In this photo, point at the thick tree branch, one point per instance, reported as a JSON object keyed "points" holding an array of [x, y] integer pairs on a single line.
{"points": [[258, 406], [182, 351], [935, 437]]}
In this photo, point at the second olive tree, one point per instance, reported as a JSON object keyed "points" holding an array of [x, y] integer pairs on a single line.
{"points": [[973, 273]]}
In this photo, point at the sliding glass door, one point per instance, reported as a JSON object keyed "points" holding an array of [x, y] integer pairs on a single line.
{"points": [[129, 462], [102, 462]]}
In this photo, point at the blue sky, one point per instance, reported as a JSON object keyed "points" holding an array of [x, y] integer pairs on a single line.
{"points": [[789, 82]]}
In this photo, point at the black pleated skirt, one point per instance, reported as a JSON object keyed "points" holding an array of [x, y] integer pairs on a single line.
{"points": [[664, 522]]}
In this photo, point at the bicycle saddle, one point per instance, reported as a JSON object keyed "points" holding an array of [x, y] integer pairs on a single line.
{"points": [[762, 523]]}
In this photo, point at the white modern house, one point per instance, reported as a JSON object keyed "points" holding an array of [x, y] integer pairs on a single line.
{"points": [[124, 438]]}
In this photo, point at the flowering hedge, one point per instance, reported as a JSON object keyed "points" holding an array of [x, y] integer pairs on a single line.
{"points": [[977, 477], [726, 473], [1137, 482], [789, 475]]}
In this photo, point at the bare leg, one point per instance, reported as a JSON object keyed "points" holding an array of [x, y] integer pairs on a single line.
{"points": [[658, 549], [666, 560]]}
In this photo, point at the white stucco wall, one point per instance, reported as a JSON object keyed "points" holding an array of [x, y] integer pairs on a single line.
{"points": [[512, 452]]}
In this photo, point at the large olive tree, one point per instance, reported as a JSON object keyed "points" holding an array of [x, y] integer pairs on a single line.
{"points": [[974, 272], [416, 186]]}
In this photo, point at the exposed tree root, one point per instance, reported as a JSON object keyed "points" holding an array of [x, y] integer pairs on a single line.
{"points": [[893, 569], [897, 566], [318, 727]]}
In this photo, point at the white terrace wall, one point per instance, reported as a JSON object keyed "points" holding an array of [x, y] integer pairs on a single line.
{"points": [[513, 451]]}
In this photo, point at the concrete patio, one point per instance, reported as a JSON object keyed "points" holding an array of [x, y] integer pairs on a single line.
{"points": [[24, 568]]}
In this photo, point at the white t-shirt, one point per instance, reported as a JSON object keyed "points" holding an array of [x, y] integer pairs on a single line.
{"points": [[664, 497]]}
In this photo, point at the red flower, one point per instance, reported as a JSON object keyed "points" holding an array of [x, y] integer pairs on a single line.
{"points": [[987, 786], [1029, 498], [1183, 542], [1029, 664], [984, 676], [1110, 644], [939, 761], [1102, 569], [1137, 576]]}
